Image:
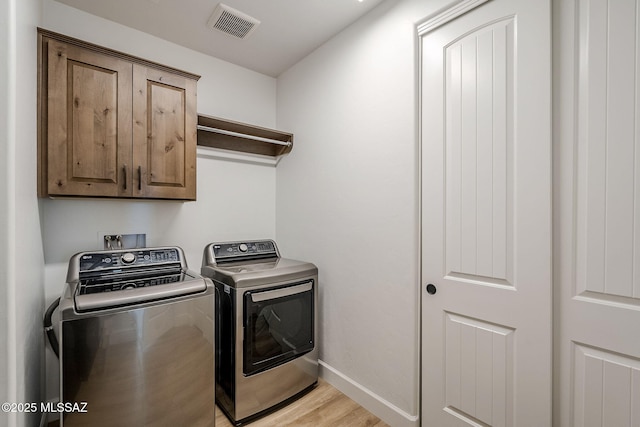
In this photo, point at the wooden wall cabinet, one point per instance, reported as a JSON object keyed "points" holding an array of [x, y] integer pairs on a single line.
{"points": [[113, 125]]}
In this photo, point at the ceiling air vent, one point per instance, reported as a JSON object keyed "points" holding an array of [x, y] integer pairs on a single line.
{"points": [[233, 22]]}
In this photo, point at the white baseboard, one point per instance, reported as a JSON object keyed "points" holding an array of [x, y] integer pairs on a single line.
{"points": [[375, 404]]}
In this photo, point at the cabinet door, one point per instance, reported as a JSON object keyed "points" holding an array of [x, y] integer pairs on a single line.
{"points": [[88, 122], [164, 134]]}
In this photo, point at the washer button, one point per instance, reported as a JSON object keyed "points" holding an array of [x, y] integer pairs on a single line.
{"points": [[128, 258], [243, 247]]}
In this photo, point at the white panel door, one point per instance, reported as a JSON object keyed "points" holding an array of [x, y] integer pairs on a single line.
{"points": [[486, 214], [597, 194]]}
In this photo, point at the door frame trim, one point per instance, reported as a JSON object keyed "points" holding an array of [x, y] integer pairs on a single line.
{"points": [[448, 13]]}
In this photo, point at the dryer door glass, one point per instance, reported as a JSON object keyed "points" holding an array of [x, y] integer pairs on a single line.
{"points": [[278, 325]]}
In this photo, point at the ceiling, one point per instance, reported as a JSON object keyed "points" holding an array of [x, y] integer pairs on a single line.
{"points": [[288, 31]]}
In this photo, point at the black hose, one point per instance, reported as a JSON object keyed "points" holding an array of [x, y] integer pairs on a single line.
{"points": [[48, 327]]}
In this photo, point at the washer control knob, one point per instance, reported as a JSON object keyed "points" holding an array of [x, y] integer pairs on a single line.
{"points": [[128, 258], [243, 247]]}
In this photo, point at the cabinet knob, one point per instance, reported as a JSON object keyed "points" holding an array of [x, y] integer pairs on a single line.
{"points": [[431, 289]]}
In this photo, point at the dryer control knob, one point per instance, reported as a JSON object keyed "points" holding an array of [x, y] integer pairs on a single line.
{"points": [[243, 247], [128, 258]]}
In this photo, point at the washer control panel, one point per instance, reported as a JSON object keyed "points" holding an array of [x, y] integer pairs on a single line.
{"points": [[128, 258], [238, 251]]}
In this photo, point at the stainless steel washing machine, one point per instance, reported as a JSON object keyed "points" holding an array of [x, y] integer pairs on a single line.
{"points": [[266, 336], [137, 340]]}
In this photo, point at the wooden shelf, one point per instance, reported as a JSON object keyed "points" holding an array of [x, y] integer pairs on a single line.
{"points": [[229, 135]]}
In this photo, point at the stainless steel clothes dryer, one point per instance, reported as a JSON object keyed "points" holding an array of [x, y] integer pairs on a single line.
{"points": [[266, 334], [136, 340]]}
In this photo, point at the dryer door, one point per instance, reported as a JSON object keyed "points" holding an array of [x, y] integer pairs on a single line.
{"points": [[278, 325]]}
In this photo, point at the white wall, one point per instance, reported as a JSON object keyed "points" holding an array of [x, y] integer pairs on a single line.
{"points": [[346, 196], [21, 268], [235, 200], [347, 199]]}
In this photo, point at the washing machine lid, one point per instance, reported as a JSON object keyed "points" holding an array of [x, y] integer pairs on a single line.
{"points": [[102, 280]]}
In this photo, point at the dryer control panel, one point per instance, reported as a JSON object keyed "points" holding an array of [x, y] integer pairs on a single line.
{"points": [[241, 251]]}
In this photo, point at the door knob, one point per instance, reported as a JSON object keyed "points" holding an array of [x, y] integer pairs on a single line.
{"points": [[431, 289]]}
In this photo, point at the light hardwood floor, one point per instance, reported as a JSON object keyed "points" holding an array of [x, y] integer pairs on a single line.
{"points": [[324, 406]]}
